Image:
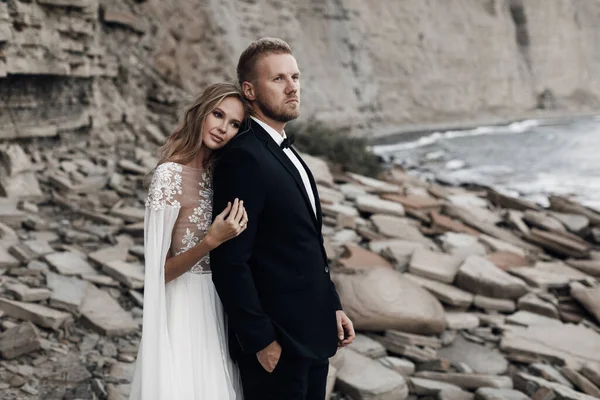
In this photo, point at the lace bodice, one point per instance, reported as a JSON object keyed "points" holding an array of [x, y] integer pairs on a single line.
{"points": [[190, 190]]}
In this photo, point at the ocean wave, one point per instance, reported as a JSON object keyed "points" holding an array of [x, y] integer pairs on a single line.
{"points": [[514, 128]]}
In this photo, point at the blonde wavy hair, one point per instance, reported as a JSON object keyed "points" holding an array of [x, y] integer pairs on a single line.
{"points": [[186, 141]]}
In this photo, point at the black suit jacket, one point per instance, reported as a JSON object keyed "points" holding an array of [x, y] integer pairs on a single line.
{"points": [[273, 279]]}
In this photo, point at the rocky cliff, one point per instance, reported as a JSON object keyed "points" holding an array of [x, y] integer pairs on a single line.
{"points": [[122, 69]]}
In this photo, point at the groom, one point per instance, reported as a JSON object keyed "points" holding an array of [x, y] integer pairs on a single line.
{"points": [[285, 317]]}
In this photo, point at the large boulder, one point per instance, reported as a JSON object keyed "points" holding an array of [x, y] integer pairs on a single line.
{"points": [[381, 299]]}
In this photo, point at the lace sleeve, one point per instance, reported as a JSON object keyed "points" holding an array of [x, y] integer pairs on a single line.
{"points": [[165, 187]]}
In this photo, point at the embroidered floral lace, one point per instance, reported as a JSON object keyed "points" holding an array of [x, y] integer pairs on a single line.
{"points": [[190, 190]]}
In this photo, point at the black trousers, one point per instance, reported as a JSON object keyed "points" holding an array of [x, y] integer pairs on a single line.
{"points": [[292, 379]]}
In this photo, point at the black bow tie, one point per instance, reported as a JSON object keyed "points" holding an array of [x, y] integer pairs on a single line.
{"points": [[287, 142]]}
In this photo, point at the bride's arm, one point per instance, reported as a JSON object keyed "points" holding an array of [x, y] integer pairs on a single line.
{"points": [[226, 226]]}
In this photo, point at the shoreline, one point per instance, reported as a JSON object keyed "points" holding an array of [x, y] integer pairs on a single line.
{"points": [[408, 133]]}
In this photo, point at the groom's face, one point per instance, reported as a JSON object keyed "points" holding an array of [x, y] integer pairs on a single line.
{"points": [[277, 88]]}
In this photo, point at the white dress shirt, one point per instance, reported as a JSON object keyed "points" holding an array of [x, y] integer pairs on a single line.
{"points": [[288, 152]]}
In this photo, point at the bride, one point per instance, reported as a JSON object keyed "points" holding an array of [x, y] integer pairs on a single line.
{"points": [[183, 353]]}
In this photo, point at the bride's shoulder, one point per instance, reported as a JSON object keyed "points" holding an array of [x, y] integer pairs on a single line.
{"points": [[165, 186]]}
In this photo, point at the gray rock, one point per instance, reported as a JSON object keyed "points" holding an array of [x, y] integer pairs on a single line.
{"points": [[68, 293], [67, 263], [461, 244], [447, 294], [481, 359], [381, 298], [38, 314], [368, 347], [549, 373], [130, 274], [539, 278], [19, 340], [573, 345], [499, 394], [461, 320], [532, 303], [588, 297], [529, 384], [105, 315], [375, 205], [469, 381], [438, 266], [363, 378], [401, 365], [480, 276], [492, 304], [399, 228]]}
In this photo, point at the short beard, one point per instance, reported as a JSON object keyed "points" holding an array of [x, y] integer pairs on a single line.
{"points": [[276, 115]]}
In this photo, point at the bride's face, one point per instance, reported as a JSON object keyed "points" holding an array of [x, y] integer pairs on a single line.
{"points": [[223, 123]]}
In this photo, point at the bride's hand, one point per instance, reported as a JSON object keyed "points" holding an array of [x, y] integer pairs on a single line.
{"points": [[229, 224]]}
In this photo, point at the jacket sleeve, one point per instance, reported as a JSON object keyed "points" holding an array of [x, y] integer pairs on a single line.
{"points": [[238, 175]]}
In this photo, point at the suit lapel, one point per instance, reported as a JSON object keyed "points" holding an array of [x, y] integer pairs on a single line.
{"points": [[289, 166], [313, 185]]}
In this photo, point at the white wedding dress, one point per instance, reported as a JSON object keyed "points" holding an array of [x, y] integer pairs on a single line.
{"points": [[183, 353]]}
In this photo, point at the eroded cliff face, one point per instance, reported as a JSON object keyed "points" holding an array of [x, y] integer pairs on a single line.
{"points": [[122, 69]]}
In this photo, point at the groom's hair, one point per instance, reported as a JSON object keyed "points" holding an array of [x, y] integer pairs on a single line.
{"points": [[246, 68]]}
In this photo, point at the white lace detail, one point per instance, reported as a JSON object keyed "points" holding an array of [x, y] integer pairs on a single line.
{"points": [[202, 215], [166, 183]]}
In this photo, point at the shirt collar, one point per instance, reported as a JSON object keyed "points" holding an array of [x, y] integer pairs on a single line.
{"points": [[272, 132]]}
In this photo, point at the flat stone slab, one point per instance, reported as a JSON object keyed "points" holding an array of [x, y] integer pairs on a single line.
{"points": [[481, 359], [399, 250], [589, 267], [376, 205], [539, 278], [468, 381], [424, 387], [573, 222], [67, 263], [490, 303], [447, 294], [592, 371], [461, 320], [26, 293], [399, 228], [505, 260], [499, 394], [40, 315], [68, 293], [588, 297], [573, 345], [529, 384], [380, 299], [581, 382], [368, 347], [532, 303], [130, 274], [21, 339], [438, 266], [363, 378], [462, 244], [500, 245], [374, 185], [560, 268], [105, 315], [480, 276], [359, 258], [549, 373], [7, 260], [401, 365]]}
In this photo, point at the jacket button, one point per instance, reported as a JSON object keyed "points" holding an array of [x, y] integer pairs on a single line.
{"points": [[326, 269]]}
